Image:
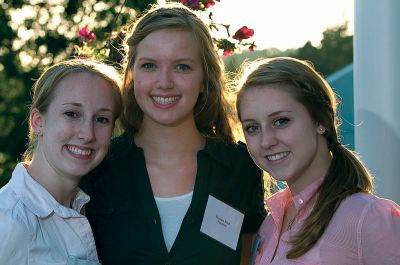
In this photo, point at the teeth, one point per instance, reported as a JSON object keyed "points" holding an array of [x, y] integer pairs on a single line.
{"points": [[162, 100], [277, 156], [78, 151]]}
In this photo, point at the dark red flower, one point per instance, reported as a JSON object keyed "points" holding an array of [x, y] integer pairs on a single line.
{"points": [[227, 46], [194, 4], [86, 35], [243, 33], [228, 52], [252, 47], [207, 4]]}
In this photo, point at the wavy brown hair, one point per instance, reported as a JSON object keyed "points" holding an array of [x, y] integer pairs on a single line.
{"points": [[347, 174], [212, 109]]}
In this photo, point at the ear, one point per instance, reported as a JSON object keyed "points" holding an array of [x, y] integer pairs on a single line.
{"points": [[36, 121]]}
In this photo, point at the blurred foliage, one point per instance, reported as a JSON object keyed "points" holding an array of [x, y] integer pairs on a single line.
{"points": [[37, 33], [334, 52], [33, 35]]}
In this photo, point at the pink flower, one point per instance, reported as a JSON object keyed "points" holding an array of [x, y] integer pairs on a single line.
{"points": [[194, 4], [243, 33], [199, 4], [86, 35], [207, 4], [227, 52]]}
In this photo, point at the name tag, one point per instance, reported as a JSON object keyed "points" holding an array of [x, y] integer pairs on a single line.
{"points": [[222, 222]]}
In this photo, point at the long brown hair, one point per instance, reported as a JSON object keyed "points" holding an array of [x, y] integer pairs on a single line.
{"points": [[212, 109], [347, 174]]}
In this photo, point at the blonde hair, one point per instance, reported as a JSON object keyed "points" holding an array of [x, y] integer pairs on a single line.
{"points": [[212, 109], [44, 88], [347, 174]]}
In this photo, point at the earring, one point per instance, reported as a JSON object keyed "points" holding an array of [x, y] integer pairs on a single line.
{"points": [[38, 132], [321, 129]]}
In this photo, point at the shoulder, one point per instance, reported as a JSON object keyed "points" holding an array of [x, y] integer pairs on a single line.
{"points": [[378, 212], [115, 160], [370, 226], [120, 146], [15, 233], [230, 154], [371, 217], [378, 229], [13, 211], [361, 206], [364, 204]]}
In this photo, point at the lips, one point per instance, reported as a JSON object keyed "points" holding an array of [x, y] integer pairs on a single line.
{"points": [[277, 156], [79, 151], [165, 100]]}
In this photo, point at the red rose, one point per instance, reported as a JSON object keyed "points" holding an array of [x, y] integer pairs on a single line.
{"points": [[228, 52], [207, 4], [243, 33]]}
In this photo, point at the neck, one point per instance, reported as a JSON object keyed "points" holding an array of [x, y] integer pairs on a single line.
{"points": [[180, 139], [62, 189], [317, 169]]}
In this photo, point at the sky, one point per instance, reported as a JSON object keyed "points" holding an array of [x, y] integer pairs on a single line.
{"points": [[285, 24]]}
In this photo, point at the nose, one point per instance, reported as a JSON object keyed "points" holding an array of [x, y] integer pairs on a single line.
{"points": [[86, 131], [268, 139], [165, 79]]}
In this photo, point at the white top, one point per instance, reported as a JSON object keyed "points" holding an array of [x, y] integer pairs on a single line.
{"points": [[36, 229], [172, 211]]}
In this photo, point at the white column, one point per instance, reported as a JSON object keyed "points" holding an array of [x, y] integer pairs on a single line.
{"points": [[377, 92]]}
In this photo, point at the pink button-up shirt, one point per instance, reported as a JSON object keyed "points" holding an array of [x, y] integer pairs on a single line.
{"points": [[365, 229]]}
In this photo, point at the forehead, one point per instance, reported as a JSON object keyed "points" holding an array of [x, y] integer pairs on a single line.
{"points": [[169, 42], [269, 99], [84, 87]]}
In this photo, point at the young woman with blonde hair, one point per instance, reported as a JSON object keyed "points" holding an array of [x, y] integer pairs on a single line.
{"points": [[74, 107], [176, 188]]}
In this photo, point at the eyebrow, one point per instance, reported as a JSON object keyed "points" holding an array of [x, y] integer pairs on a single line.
{"points": [[80, 105], [139, 59], [273, 114]]}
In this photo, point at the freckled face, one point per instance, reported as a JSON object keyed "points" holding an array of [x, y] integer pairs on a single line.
{"points": [[168, 77], [77, 126], [281, 136]]}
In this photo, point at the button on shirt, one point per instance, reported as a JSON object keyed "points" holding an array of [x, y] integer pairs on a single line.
{"points": [[365, 229], [36, 229]]}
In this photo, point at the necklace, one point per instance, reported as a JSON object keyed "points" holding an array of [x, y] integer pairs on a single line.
{"points": [[293, 219], [291, 222]]}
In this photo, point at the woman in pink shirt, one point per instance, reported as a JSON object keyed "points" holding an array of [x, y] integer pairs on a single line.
{"points": [[327, 214]]}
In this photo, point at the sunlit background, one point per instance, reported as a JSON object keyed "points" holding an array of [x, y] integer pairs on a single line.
{"points": [[37, 33], [285, 24]]}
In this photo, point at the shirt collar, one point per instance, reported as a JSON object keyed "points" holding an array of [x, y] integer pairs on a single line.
{"points": [[304, 197], [38, 200], [277, 203]]}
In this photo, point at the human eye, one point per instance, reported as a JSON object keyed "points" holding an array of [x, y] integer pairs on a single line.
{"points": [[71, 114], [148, 66], [103, 120], [250, 129], [280, 122], [183, 67]]}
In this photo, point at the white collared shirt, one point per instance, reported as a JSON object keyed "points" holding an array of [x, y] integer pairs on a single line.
{"points": [[36, 229]]}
